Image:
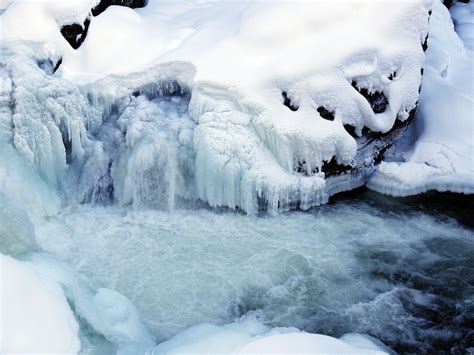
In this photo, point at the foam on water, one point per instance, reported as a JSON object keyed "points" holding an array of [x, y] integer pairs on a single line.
{"points": [[400, 275]]}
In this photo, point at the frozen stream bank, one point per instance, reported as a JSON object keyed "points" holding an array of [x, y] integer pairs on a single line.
{"points": [[380, 267]]}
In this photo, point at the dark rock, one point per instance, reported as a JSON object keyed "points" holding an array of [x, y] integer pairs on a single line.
{"points": [[371, 147], [449, 3], [425, 44], [75, 33], [58, 63], [377, 100], [332, 167], [49, 66], [326, 114], [287, 102], [351, 130], [104, 4]]}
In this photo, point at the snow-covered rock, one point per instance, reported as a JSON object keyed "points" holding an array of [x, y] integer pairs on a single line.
{"points": [[440, 156], [273, 110]]}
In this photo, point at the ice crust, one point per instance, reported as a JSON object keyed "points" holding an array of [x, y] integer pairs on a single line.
{"points": [[441, 157]]}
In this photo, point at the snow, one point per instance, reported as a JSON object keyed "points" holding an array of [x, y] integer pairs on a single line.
{"points": [[40, 21], [441, 157], [35, 316], [248, 336], [248, 150]]}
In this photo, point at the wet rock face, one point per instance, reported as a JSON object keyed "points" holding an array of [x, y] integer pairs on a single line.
{"points": [[371, 147], [104, 4], [75, 33]]}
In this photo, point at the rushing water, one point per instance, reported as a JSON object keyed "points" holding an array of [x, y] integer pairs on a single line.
{"points": [[399, 270]]}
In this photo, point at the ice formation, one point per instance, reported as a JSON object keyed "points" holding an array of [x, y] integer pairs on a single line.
{"points": [[206, 106], [441, 155]]}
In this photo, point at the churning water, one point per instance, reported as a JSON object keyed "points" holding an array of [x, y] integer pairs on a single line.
{"points": [[399, 270]]}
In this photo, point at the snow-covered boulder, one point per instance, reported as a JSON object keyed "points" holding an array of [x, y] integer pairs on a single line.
{"points": [[273, 112]]}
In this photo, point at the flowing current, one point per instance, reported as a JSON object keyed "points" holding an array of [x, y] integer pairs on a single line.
{"points": [[364, 263]]}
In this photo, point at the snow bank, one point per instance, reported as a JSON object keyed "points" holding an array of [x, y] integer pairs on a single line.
{"points": [[441, 158], [248, 336], [35, 316]]}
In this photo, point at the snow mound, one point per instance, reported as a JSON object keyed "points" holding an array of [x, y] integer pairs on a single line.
{"points": [[441, 158], [38, 299], [35, 316], [249, 336]]}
